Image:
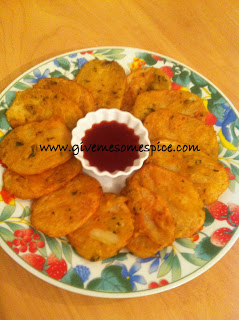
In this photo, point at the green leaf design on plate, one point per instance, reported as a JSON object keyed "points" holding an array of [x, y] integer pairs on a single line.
{"points": [[10, 97], [216, 109], [147, 58], [3, 120], [221, 148], [183, 79], [234, 169], [67, 252], [197, 80], [14, 226], [234, 133], [111, 280], [3, 105], [208, 218], [113, 52], [64, 63], [186, 242], [211, 89], [196, 90], [229, 153], [73, 279], [26, 212], [28, 77], [205, 250], [163, 252], [21, 86], [115, 56], [101, 50], [166, 266], [192, 259], [176, 269], [75, 72], [7, 212], [120, 257], [236, 158], [54, 247], [6, 234], [57, 74], [218, 98], [232, 185]]}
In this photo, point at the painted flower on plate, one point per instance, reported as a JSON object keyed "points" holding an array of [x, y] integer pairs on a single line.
{"points": [[132, 276], [155, 262], [38, 76], [83, 272]]}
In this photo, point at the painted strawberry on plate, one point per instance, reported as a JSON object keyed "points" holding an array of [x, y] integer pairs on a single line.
{"points": [[221, 236], [218, 210], [35, 260], [57, 268], [233, 214]]}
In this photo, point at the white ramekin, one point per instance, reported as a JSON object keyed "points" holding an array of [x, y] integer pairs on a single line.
{"points": [[111, 182]]}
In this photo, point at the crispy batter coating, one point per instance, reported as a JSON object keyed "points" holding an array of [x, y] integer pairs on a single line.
{"points": [[65, 210], [38, 185], [153, 221], [179, 194], [165, 124], [142, 246], [41, 104], [105, 80], [106, 232], [72, 90], [174, 100], [20, 150], [141, 80], [208, 175]]}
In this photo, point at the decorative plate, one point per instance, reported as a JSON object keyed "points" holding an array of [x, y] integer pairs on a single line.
{"points": [[56, 262]]}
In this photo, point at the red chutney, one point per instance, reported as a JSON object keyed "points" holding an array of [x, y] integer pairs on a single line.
{"points": [[114, 137]]}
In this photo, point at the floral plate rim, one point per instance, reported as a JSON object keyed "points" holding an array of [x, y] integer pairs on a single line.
{"points": [[117, 295], [138, 293]]}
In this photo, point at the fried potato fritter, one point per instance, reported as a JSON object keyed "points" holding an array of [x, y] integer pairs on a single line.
{"points": [[209, 177], [141, 80], [180, 195], [142, 246], [153, 221], [38, 185], [20, 150], [177, 101], [165, 124], [41, 104], [106, 232], [65, 210], [72, 90], [105, 80]]}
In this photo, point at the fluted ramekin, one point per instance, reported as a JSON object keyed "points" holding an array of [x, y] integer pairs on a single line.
{"points": [[111, 182]]}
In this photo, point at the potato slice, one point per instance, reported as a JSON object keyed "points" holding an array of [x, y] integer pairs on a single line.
{"points": [[106, 232], [174, 100], [41, 104], [71, 90], [151, 215], [141, 80], [20, 150], [63, 211], [165, 124], [105, 80], [180, 195], [209, 177], [142, 246], [38, 185]]}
